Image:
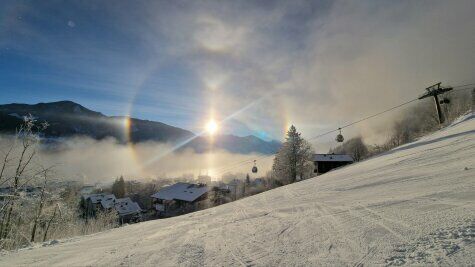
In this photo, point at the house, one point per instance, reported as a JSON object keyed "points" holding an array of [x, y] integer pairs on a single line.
{"points": [[237, 188], [258, 182], [326, 162], [220, 194], [128, 210], [96, 202], [179, 198]]}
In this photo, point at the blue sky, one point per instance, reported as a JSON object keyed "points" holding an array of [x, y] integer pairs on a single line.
{"points": [[58, 50], [310, 63]]}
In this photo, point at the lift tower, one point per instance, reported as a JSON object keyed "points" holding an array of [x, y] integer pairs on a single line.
{"points": [[434, 91]]}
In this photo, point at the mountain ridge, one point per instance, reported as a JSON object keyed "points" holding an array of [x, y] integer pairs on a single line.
{"points": [[68, 119]]}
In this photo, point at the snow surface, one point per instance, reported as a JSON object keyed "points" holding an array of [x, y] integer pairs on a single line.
{"points": [[413, 205]]}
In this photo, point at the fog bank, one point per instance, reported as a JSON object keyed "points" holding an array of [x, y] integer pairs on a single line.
{"points": [[89, 161]]}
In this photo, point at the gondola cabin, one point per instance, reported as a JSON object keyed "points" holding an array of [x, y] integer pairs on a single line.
{"points": [[327, 162]]}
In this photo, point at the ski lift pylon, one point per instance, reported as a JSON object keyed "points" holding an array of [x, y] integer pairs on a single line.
{"points": [[254, 168], [339, 138]]}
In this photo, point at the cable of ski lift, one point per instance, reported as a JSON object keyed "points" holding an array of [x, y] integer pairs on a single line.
{"points": [[339, 129], [326, 133], [329, 132]]}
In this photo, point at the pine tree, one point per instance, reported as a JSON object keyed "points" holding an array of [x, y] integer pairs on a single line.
{"points": [[118, 187], [294, 159]]}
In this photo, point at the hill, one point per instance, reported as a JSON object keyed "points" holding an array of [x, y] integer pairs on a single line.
{"points": [[412, 205], [67, 119]]}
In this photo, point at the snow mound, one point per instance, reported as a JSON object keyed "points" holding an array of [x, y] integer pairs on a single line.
{"points": [[412, 205]]}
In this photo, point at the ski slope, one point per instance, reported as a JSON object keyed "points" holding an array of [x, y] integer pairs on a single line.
{"points": [[412, 205]]}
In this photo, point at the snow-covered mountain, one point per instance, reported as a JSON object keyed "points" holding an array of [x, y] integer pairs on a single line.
{"points": [[67, 119], [413, 205]]}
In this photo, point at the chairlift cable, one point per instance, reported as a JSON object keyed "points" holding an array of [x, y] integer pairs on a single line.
{"points": [[234, 166]]}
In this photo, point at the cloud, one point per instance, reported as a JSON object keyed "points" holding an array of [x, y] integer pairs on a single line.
{"points": [[327, 68], [90, 160], [316, 64]]}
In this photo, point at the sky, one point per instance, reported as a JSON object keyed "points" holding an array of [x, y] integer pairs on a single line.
{"points": [[257, 66]]}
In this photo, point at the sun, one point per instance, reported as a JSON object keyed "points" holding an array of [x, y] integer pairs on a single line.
{"points": [[211, 127]]}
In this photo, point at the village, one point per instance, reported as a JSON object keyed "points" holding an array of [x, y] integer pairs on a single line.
{"points": [[181, 197]]}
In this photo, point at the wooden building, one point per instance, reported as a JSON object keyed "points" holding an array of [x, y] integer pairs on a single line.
{"points": [[326, 162], [179, 198]]}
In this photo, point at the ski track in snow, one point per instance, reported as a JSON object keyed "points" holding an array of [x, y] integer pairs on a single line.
{"points": [[414, 205]]}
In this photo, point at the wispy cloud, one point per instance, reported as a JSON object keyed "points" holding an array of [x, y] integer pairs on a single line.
{"points": [[317, 64]]}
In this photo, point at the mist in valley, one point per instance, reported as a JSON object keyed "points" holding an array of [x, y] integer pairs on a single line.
{"points": [[89, 161]]}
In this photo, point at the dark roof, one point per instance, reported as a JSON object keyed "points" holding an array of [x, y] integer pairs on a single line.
{"points": [[332, 157]]}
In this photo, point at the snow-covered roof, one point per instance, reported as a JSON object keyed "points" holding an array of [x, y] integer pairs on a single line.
{"points": [[332, 157], [106, 200], [125, 206], [181, 191]]}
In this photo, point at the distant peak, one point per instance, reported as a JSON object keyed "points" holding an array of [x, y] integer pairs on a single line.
{"points": [[67, 106], [63, 103]]}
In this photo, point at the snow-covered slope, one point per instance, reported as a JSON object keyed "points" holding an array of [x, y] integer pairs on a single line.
{"points": [[413, 205]]}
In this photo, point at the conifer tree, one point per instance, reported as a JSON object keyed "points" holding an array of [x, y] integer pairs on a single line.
{"points": [[118, 187], [294, 159]]}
